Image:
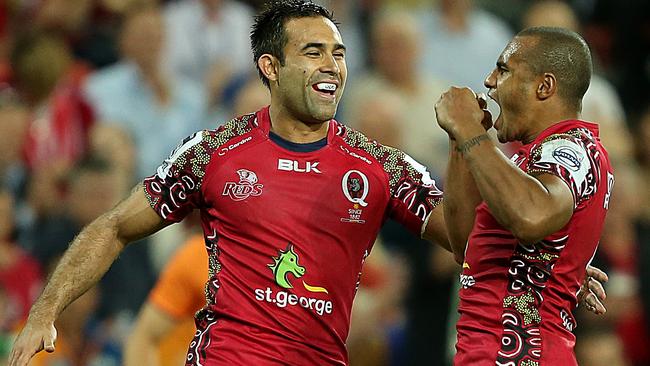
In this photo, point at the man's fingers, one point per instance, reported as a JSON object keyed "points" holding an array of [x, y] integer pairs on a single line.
{"points": [[597, 288], [594, 305], [482, 100], [48, 345], [597, 274]]}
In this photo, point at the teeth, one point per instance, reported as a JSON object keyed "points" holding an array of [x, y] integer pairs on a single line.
{"points": [[326, 87]]}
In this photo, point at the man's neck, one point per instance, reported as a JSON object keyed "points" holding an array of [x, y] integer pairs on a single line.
{"points": [[292, 129], [548, 119]]}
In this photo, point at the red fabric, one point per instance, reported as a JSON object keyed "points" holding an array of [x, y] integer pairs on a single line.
{"points": [[516, 300], [259, 200], [59, 132]]}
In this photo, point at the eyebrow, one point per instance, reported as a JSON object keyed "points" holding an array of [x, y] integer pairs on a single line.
{"points": [[337, 46]]}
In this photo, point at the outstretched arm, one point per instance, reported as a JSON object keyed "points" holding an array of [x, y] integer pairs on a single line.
{"points": [[87, 259]]}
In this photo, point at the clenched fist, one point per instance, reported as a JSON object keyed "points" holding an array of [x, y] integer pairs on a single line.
{"points": [[461, 113]]}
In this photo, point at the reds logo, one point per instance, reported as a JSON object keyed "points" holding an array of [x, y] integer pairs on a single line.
{"points": [[246, 187]]}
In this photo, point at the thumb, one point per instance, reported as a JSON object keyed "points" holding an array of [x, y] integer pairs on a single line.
{"points": [[49, 345], [48, 341]]}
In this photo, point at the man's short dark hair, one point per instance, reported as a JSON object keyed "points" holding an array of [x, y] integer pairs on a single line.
{"points": [[269, 35], [566, 55]]}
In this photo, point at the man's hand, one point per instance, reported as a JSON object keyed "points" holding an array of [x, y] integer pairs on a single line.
{"points": [[31, 340], [459, 109], [592, 294]]}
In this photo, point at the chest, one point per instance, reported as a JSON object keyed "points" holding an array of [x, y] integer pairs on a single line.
{"points": [[318, 191]]}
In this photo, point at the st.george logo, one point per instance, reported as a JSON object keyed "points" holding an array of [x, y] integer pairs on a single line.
{"points": [[285, 266], [246, 187]]}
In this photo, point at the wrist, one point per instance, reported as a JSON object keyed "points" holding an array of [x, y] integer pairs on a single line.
{"points": [[467, 145]]}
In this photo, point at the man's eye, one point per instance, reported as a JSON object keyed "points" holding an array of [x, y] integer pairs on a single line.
{"points": [[316, 54], [339, 55]]}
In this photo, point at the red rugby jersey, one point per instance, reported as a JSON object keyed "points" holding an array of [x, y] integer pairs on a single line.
{"points": [[516, 299], [287, 233]]}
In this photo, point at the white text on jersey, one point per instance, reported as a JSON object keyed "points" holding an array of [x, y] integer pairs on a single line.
{"points": [[294, 166]]}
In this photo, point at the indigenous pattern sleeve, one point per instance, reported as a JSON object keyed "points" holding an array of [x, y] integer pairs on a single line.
{"points": [[413, 193], [574, 158], [175, 190]]}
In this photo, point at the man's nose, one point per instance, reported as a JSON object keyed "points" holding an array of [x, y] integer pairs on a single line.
{"points": [[330, 65], [489, 81]]}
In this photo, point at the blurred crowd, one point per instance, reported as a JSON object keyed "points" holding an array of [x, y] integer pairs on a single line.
{"points": [[94, 94]]}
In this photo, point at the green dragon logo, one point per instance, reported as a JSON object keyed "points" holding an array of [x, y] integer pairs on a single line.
{"points": [[287, 262]]}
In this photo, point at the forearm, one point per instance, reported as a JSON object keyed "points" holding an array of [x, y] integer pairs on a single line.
{"points": [[460, 200], [517, 200], [87, 259]]}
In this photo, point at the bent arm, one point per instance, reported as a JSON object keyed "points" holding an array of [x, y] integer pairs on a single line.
{"points": [[531, 207], [461, 199]]}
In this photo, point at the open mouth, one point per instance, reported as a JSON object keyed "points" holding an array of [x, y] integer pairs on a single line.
{"points": [[325, 89]]}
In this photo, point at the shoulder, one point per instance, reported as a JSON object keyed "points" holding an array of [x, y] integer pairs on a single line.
{"points": [[394, 162], [196, 150]]}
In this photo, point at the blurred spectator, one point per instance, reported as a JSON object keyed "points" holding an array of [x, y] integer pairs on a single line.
{"points": [[251, 97], [112, 144], [208, 43], [642, 196], [352, 25], [48, 81], [461, 42], [13, 130], [136, 94], [396, 54], [20, 274]]}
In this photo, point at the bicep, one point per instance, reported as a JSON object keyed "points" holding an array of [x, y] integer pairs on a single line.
{"points": [[136, 218], [559, 205]]}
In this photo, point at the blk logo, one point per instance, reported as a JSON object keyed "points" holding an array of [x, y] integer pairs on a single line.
{"points": [[294, 166]]}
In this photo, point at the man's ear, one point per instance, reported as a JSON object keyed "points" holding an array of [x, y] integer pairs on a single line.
{"points": [[269, 66], [548, 86]]}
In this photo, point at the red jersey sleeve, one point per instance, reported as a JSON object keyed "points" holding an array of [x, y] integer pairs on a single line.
{"points": [[414, 194], [569, 157], [174, 191]]}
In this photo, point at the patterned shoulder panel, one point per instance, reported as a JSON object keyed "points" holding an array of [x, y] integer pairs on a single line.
{"points": [[575, 157], [396, 163], [409, 181], [174, 190]]}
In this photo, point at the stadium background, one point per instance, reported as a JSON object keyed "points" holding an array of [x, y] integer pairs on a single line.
{"points": [[95, 93]]}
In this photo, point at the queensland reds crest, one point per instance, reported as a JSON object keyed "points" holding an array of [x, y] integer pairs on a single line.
{"points": [[246, 187], [355, 187]]}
